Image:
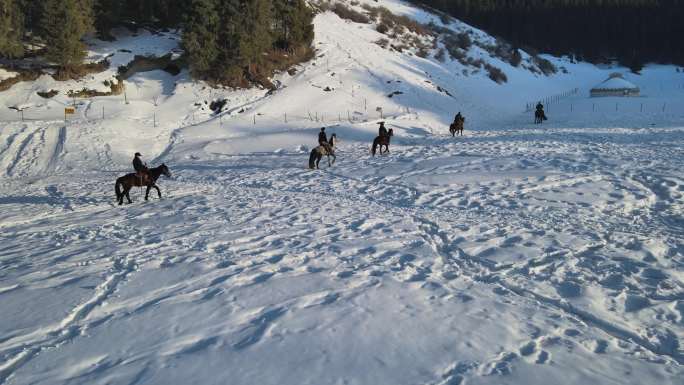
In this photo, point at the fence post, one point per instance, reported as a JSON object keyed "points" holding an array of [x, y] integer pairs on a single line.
{"points": [[641, 109], [664, 106], [102, 112], [285, 117], [255, 119]]}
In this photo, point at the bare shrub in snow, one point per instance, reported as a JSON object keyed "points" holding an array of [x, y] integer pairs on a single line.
{"points": [[545, 66], [382, 42], [345, 12], [382, 28], [496, 74], [441, 55]]}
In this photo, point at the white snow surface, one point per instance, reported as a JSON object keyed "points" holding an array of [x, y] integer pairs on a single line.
{"points": [[516, 254]]}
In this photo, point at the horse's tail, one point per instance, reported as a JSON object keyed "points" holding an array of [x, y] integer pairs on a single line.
{"points": [[312, 159], [375, 146], [117, 191]]}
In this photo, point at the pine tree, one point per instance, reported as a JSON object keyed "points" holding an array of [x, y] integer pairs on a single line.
{"points": [[11, 29], [200, 37], [229, 39], [300, 25], [64, 24], [254, 35], [235, 42], [107, 14]]}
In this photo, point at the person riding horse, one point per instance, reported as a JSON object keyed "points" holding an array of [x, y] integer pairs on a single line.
{"points": [[382, 130], [326, 148], [457, 125], [539, 114], [323, 140], [141, 170]]}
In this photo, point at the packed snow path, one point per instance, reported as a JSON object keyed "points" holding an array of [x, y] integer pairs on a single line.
{"points": [[527, 256]]}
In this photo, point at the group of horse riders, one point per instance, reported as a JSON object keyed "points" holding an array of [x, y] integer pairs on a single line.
{"points": [[143, 177], [141, 169]]}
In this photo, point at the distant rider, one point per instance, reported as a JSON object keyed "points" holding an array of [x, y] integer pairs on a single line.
{"points": [[459, 117], [139, 167], [323, 140], [382, 131], [540, 110]]}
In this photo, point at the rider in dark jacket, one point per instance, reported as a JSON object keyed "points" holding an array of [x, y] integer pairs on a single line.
{"points": [[382, 131], [139, 167], [323, 140], [540, 110]]}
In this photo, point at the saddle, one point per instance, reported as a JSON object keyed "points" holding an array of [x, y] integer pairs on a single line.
{"points": [[142, 176]]}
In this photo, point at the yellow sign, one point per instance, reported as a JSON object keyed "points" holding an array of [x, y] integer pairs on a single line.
{"points": [[69, 110]]}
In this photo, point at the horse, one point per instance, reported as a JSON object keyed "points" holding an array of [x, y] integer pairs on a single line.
{"points": [[123, 185], [539, 116], [318, 152], [457, 127], [382, 141]]}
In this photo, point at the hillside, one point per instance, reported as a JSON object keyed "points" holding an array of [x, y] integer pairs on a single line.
{"points": [[517, 253]]}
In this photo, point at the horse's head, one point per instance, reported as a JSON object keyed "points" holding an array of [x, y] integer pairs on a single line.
{"points": [[165, 170], [390, 132]]}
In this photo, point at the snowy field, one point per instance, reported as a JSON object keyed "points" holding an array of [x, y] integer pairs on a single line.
{"points": [[516, 254]]}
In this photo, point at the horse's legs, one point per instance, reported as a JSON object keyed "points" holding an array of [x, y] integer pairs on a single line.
{"points": [[147, 191], [158, 191], [334, 158], [128, 195]]}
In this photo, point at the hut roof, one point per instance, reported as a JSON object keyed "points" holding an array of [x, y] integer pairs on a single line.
{"points": [[616, 83]]}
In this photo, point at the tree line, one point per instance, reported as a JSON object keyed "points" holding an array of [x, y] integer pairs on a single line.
{"points": [[227, 41], [634, 32]]}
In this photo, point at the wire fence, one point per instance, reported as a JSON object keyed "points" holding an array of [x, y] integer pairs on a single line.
{"points": [[547, 101], [83, 113]]}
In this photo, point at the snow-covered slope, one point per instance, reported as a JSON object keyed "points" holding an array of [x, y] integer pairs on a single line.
{"points": [[515, 254]]}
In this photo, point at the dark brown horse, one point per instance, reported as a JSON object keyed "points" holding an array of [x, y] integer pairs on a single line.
{"points": [[539, 116], [129, 181], [457, 127], [382, 141]]}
